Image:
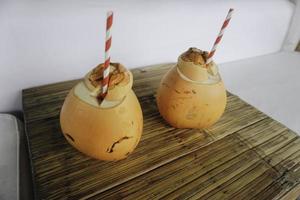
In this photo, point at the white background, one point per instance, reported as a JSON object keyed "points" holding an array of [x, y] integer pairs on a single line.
{"points": [[55, 40]]}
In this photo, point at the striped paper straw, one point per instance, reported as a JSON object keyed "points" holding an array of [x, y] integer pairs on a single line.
{"points": [[109, 21], [213, 50]]}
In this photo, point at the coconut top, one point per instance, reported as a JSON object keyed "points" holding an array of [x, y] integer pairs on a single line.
{"points": [[120, 83], [192, 65], [118, 75], [195, 55]]}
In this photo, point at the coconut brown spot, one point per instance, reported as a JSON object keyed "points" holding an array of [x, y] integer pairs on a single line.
{"points": [[111, 149], [177, 91], [70, 137]]}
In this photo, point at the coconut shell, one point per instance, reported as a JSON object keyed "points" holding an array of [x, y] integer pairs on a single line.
{"points": [[109, 133], [188, 98]]}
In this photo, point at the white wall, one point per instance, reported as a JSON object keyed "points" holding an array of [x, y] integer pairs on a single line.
{"points": [[55, 40], [293, 36]]}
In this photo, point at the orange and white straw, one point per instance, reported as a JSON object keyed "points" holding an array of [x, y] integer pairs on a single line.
{"points": [[225, 24], [109, 21]]}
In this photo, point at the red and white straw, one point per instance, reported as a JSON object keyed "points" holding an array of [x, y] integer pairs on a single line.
{"points": [[213, 50], [109, 21]]}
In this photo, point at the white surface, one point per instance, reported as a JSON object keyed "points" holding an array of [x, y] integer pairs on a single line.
{"points": [[49, 41], [271, 83], [9, 157]]}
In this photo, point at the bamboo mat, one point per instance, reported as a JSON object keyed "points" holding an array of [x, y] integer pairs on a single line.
{"points": [[245, 155]]}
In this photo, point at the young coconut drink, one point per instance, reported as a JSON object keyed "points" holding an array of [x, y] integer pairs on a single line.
{"points": [[101, 115], [109, 129], [192, 93]]}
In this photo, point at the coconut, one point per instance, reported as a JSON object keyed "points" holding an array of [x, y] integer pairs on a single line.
{"points": [[108, 129], [192, 94]]}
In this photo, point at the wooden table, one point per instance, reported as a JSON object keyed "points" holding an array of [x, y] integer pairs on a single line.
{"points": [[246, 155]]}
